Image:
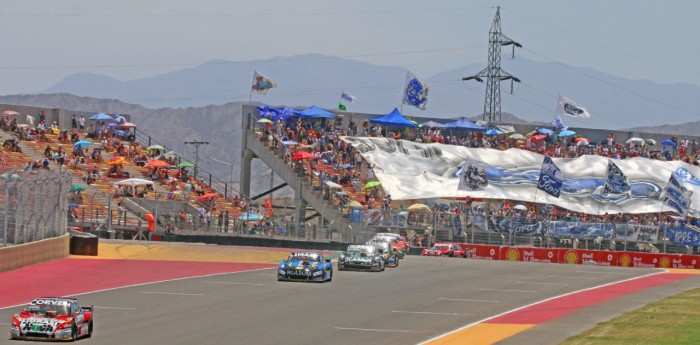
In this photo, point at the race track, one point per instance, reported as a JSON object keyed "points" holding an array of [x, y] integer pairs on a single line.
{"points": [[421, 299]]}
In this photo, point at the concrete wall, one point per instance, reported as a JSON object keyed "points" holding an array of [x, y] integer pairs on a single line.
{"points": [[18, 256], [62, 116], [256, 242]]}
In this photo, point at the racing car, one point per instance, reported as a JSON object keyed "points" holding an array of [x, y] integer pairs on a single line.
{"points": [[397, 242], [305, 266], [391, 257], [52, 318], [445, 249], [361, 257]]}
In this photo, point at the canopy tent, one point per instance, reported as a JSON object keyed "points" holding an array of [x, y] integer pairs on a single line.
{"points": [[505, 129], [277, 113], [314, 112], [463, 123], [432, 124], [394, 118]]}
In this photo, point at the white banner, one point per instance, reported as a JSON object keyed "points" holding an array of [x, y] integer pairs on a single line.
{"points": [[409, 170], [637, 233]]}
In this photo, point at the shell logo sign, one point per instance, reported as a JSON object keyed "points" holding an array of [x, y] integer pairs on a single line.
{"points": [[512, 254], [571, 257], [665, 262], [625, 260]]}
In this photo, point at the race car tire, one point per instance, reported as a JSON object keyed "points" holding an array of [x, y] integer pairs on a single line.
{"points": [[89, 335], [74, 332]]}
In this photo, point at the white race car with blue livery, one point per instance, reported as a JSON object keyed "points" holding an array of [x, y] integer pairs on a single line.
{"points": [[305, 266]]}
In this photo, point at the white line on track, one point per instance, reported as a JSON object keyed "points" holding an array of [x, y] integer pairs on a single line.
{"points": [[507, 290], [173, 293], [531, 304], [601, 272], [382, 330], [117, 308], [569, 277], [541, 283], [426, 313], [150, 283], [267, 274], [467, 300], [234, 283]]}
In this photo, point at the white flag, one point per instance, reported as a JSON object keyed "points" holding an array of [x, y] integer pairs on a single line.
{"points": [[262, 84], [415, 92], [569, 108], [347, 96]]}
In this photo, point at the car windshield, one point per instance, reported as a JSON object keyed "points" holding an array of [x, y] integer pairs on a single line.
{"points": [[42, 309], [302, 258], [358, 254]]}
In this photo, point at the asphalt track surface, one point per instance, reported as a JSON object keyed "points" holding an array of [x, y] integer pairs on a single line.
{"points": [[421, 299]]}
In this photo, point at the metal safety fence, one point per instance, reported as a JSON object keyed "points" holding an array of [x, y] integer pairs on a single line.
{"points": [[33, 205]]}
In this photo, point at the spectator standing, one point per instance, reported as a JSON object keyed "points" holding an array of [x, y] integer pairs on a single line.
{"points": [[82, 122], [74, 122]]}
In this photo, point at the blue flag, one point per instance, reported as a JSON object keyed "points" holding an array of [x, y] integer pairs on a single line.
{"points": [[677, 196], [558, 123], [551, 178], [615, 181], [415, 92]]}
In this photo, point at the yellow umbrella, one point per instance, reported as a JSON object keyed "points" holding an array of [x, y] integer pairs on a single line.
{"points": [[418, 208], [116, 160], [355, 204]]}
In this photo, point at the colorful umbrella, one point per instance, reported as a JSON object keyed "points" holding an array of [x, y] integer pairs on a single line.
{"points": [[156, 147], [185, 165], [566, 133], [207, 196], [493, 131], [116, 160], [545, 131], [127, 125], [582, 142], [581, 138], [355, 204], [516, 136], [157, 163], [101, 117], [537, 137], [263, 120], [418, 208], [301, 155], [82, 143], [76, 188], [9, 112], [650, 142], [371, 184]]}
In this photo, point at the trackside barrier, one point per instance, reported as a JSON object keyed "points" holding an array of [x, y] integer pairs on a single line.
{"points": [[14, 257], [581, 256]]}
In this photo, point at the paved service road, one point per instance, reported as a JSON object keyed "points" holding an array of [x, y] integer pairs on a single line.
{"points": [[422, 298]]}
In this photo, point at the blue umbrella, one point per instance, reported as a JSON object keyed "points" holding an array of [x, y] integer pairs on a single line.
{"points": [[250, 216], [120, 119], [545, 131], [566, 133], [668, 143], [493, 131], [101, 117], [82, 143]]}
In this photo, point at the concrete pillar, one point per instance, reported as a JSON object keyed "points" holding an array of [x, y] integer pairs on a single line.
{"points": [[299, 213], [246, 162]]}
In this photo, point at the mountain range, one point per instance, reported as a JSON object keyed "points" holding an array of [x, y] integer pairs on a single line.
{"points": [[314, 79]]}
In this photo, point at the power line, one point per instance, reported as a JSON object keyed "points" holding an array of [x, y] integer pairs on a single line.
{"points": [[226, 15]]}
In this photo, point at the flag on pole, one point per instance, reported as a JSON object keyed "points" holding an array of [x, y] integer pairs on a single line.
{"points": [[615, 181], [342, 106], [551, 178], [558, 123], [568, 107], [677, 196], [347, 96], [262, 84], [268, 205], [415, 92], [473, 176]]}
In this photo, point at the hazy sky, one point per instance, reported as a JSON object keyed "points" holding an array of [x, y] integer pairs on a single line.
{"points": [[46, 40]]}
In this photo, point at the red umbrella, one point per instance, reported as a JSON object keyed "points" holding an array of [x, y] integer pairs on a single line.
{"points": [[157, 163], [537, 137], [207, 196], [9, 112], [301, 155]]}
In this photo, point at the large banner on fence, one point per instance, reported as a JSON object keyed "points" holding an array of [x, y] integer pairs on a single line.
{"points": [[580, 230], [409, 170], [683, 236], [636, 233]]}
